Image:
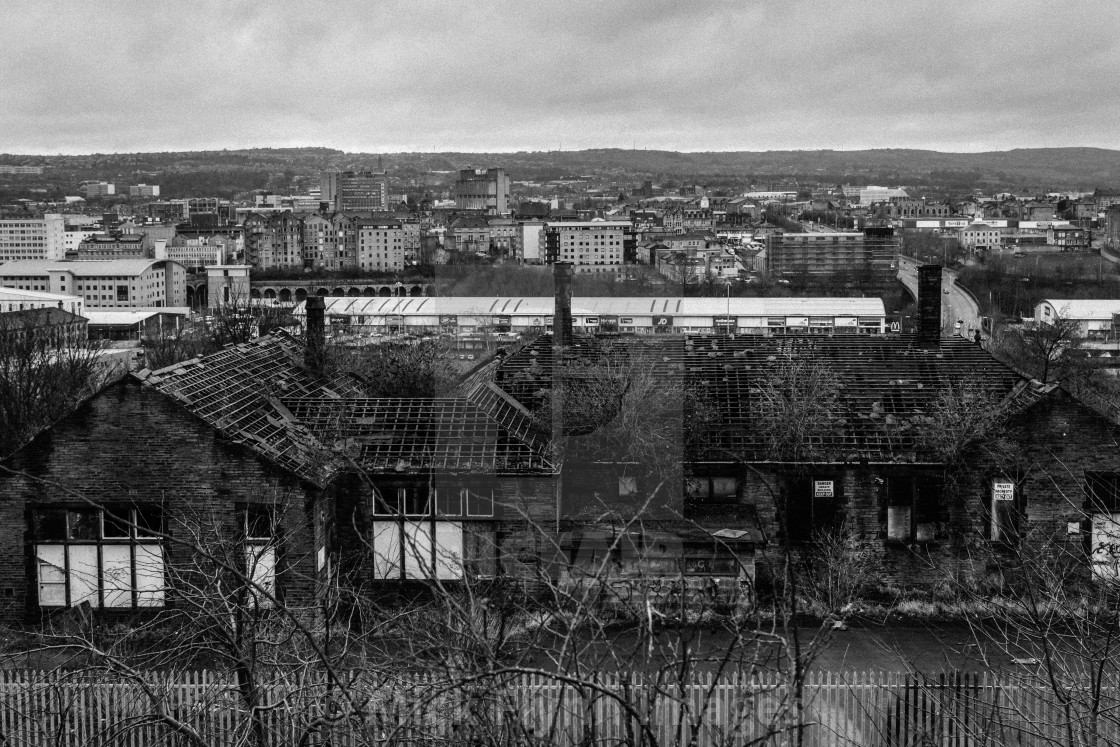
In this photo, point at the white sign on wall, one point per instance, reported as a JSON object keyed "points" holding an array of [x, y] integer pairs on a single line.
{"points": [[824, 489]]}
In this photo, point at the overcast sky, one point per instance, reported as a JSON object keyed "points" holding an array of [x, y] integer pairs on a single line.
{"points": [[83, 77]]}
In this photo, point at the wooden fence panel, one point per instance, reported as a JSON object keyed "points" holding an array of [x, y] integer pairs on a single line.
{"points": [[952, 709]]}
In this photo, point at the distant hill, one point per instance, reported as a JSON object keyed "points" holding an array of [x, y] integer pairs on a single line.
{"points": [[1028, 169]]}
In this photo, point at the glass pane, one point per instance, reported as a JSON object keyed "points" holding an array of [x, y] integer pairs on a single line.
{"points": [[414, 500], [150, 581], [449, 501], [386, 549], [85, 524], [50, 524], [479, 504], [83, 574], [116, 564], [449, 550]]}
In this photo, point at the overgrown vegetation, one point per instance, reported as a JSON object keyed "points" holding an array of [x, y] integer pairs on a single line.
{"points": [[43, 377]]}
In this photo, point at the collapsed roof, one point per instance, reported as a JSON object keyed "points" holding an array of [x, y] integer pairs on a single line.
{"points": [[261, 395], [881, 386]]}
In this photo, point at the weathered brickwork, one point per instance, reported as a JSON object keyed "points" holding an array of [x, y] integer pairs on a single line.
{"points": [[132, 445], [1052, 445]]}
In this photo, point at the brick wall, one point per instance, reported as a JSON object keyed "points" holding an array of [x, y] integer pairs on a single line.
{"points": [[130, 444]]}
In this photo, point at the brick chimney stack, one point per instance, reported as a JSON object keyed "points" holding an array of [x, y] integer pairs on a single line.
{"points": [[929, 306], [562, 314], [316, 338]]}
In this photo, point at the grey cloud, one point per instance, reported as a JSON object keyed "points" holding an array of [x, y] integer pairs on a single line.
{"points": [[509, 76]]}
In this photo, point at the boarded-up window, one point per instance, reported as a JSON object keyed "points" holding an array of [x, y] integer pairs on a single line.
{"points": [[1003, 514], [913, 507], [419, 550], [111, 558], [1104, 551]]}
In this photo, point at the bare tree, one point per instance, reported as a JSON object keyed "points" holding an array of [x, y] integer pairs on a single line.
{"points": [[238, 321], [1043, 350], [43, 377]]}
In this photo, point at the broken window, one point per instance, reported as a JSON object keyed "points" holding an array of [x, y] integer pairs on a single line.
{"points": [[108, 558], [913, 508], [1102, 503], [260, 531], [712, 489]]}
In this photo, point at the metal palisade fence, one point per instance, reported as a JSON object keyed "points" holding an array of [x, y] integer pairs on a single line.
{"points": [[522, 708]]}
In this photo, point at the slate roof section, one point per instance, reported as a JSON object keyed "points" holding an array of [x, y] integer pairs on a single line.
{"points": [[259, 394], [411, 435], [885, 383], [238, 391], [42, 317], [82, 268]]}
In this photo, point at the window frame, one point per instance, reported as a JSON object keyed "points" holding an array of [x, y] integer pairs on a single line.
{"points": [[701, 489], [142, 543], [911, 486], [260, 552]]}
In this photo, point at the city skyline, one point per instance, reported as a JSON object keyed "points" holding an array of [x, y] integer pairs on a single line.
{"points": [[421, 77]]}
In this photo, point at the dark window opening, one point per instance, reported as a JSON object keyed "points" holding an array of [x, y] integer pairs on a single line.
{"points": [[1102, 492], [812, 507], [712, 489], [913, 508]]}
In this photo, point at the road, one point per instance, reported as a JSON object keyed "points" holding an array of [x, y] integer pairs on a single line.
{"points": [[956, 304]]}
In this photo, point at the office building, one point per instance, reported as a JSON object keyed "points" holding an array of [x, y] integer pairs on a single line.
{"points": [[143, 190], [114, 283], [596, 246], [486, 190], [380, 245], [868, 254], [32, 238], [354, 191]]}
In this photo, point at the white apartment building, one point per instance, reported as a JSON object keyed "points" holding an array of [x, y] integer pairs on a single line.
{"points": [[14, 299], [32, 238], [114, 283], [143, 190], [380, 245], [591, 246], [531, 241], [980, 237]]}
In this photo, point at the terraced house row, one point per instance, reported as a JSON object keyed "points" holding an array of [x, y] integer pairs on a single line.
{"points": [[637, 456]]}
